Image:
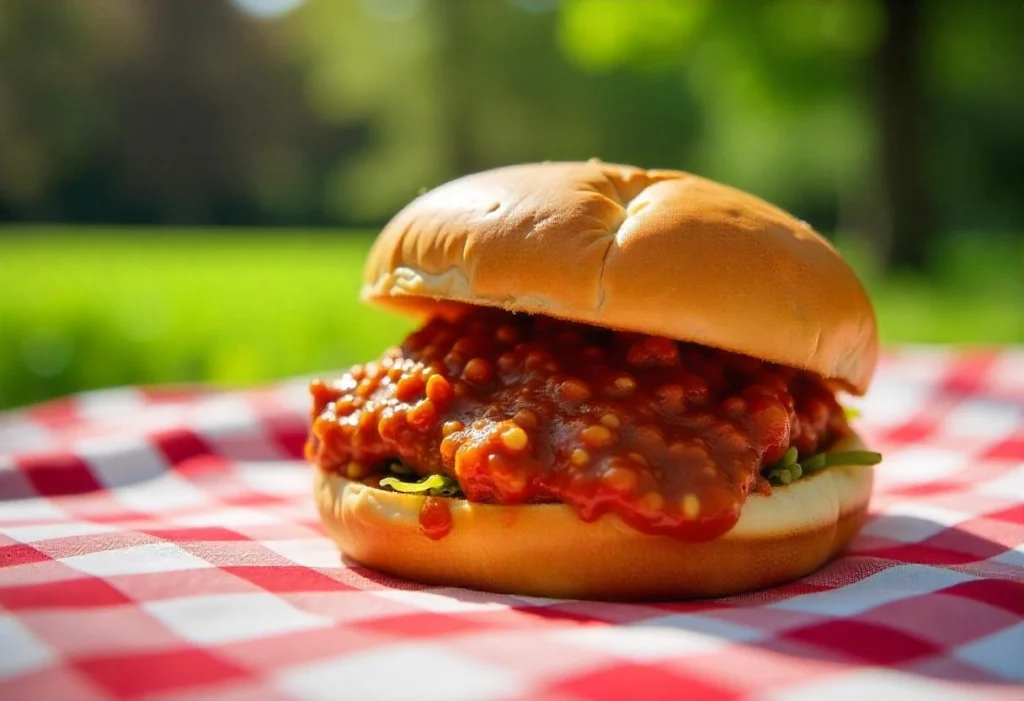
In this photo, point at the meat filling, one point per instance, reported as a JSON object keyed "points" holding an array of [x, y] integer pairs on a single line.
{"points": [[669, 436]]}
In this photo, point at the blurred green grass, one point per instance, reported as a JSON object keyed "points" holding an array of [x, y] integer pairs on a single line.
{"points": [[86, 308]]}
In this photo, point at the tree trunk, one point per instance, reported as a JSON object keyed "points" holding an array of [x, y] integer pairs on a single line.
{"points": [[454, 91], [904, 216]]}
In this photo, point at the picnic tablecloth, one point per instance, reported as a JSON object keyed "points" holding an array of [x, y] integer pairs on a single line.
{"points": [[163, 543]]}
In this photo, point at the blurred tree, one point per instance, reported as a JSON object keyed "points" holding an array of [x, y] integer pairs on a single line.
{"points": [[806, 102], [780, 87], [374, 63], [896, 209], [453, 86], [211, 118], [180, 112], [972, 62], [891, 118], [50, 115]]}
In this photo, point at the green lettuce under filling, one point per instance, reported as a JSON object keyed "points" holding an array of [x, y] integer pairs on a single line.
{"points": [[790, 467], [403, 479]]}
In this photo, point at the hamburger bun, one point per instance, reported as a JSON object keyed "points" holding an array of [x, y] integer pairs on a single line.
{"points": [[546, 550], [661, 252], [668, 255]]}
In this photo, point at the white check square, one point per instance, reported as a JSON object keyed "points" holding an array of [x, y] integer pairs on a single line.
{"points": [[228, 518], [913, 522], [52, 531], [458, 601], [24, 436], [280, 477], [223, 415], [229, 426], [118, 461], [399, 672], [873, 684], [661, 638], [983, 419], [915, 465], [34, 509], [138, 559], [308, 552], [1008, 372], [882, 588], [891, 402], [1001, 653], [227, 618], [1009, 485], [161, 494], [111, 403], [20, 651]]}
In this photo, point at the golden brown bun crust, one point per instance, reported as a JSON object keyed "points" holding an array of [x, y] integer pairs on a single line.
{"points": [[546, 550], [659, 252]]}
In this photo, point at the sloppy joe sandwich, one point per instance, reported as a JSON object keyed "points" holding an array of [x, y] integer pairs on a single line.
{"points": [[624, 385]]}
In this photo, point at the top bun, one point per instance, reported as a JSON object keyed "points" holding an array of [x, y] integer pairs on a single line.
{"points": [[655, 251]]}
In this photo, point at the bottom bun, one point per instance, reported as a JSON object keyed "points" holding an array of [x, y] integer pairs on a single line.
{"points": [[546, 550]]}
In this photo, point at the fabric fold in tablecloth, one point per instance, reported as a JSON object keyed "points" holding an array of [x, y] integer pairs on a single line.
{"points": [[160, 543]]}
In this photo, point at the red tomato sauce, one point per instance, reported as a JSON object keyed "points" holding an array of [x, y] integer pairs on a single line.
{"points": [[669, 436], [435, 517]]}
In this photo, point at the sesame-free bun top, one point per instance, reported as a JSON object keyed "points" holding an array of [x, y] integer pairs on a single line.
{"points": [[654, 251]]}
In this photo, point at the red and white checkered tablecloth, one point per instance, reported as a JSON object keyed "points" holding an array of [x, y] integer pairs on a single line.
{"points": [[163, 544]]}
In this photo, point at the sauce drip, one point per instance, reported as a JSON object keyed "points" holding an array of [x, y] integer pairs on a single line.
{"points": [[669, 436], [435, 518]]}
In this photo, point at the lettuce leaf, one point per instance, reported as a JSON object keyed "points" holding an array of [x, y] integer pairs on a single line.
{"points": [[431, 485], [789, 468]]}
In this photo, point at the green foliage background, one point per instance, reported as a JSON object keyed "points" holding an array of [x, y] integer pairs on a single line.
{"points": [[87, 309], [188, 190]]}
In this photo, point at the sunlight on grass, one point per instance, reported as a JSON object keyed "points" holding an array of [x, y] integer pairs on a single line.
{"points": [[79, 313], [81, 309]]}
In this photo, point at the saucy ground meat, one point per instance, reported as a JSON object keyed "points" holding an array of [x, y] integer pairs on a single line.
{"points": [[670, 436]]}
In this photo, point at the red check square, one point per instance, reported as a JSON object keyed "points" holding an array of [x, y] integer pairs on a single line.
{"points": [[130, 676], [638, 681], [871, 643]]}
